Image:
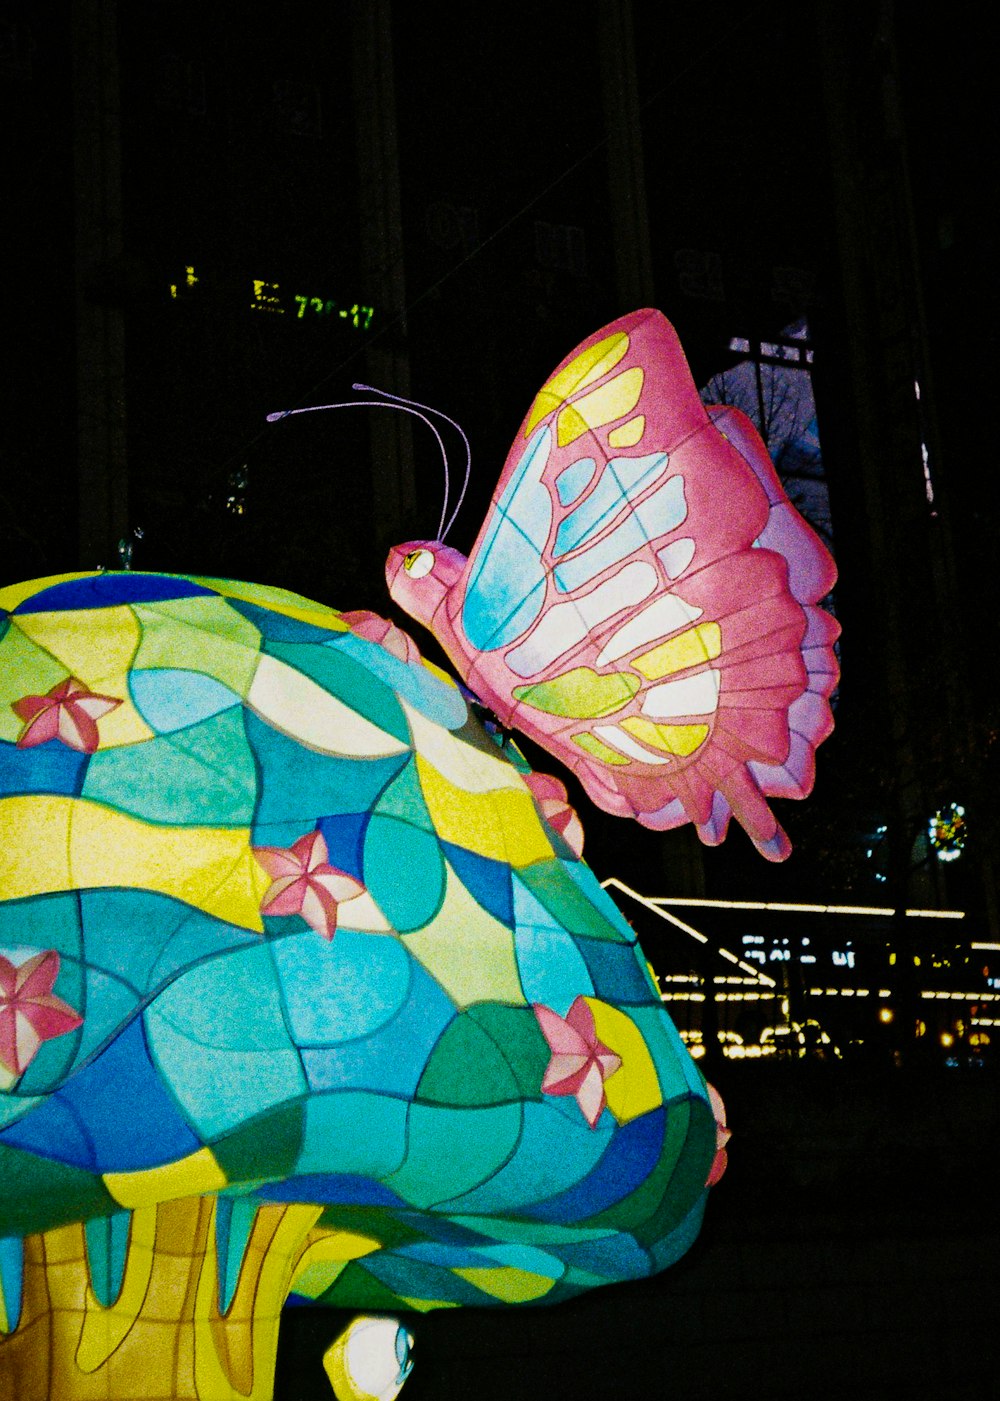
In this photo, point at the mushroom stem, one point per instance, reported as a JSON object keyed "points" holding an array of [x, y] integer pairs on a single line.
{"points": [[164, 1333]]}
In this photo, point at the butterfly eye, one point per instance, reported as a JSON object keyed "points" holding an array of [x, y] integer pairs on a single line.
{"points": [[418, 563]]}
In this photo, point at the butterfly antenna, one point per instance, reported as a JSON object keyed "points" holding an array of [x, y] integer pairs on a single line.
{"points": [[401, 406], [413, 407]]}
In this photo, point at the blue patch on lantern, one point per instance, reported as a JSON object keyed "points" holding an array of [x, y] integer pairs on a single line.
{"points": [[109, 590], [631, 1156], [487, 881], [113, 1116], [52, 767]]}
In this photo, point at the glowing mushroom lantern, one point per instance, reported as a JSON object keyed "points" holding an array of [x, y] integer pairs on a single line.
{"points": [[300, 997]]}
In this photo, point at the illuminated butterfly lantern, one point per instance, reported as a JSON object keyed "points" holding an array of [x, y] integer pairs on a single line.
{"points": [[642, 597]]}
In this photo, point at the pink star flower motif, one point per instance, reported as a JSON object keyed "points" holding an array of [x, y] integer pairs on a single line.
{"points": [[552, 798], [580, 1063], [69, 712], [304, 883], [722, 1137], [30, 1013]]}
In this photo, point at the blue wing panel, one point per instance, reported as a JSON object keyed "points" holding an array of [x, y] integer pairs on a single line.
{"points": [[506, 588]]}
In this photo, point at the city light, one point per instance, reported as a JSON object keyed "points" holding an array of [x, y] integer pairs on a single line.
{"points": [[779, 906], [653, 907], [745, 997], [268, 296], [946, 832]]}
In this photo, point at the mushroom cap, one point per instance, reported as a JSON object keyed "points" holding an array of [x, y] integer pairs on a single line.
{"points": [[312, 939]]}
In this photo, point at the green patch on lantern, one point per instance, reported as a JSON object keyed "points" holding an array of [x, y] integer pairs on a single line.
{"points": [[515, 1031], [552, 886], [39, 1194], [468, 1069]]}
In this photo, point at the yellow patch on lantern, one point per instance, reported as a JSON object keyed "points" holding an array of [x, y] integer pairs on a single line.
{"points": [[105, 1329], [425, 1305], [479, 967], [193, 1176], [277, 601], [96, 646], [80, 844], [502, 825], [634, 1088], [609, 401], [508, 1283], [465, 767], [629, 433], [699, 644], [15, 594], [583, 369], [681, 740], [324, 1260]]}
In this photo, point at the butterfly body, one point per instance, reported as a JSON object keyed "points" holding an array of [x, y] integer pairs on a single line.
{"points": [[641, 598]]}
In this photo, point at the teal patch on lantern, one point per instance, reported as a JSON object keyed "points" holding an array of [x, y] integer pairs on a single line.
{"points": [[218, 1034], [201, 776], [353, 1131], [404, 872], [341, 989], [450, 1151]]}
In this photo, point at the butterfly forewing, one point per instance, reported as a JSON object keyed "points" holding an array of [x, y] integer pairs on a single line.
{"points": [[641, 597]]}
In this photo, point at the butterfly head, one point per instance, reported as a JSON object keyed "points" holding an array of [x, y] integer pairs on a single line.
{"points": [[420, 574]]}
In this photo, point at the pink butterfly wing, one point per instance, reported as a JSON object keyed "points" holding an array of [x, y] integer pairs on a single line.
{"points": [[641, 597]]}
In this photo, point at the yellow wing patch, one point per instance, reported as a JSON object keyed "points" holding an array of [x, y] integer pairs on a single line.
{"points": [[681, 740], [628, 434], [597, 749], [609, 401], [585, 368], [699, 644], [582, 693]]}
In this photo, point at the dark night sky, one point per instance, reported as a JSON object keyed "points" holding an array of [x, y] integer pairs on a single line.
{"points": [[500, 129], [239, 159]]}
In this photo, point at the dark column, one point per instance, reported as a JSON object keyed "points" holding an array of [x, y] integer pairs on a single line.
{"points": [[100, 319], [626, 167], [387, 355]]}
